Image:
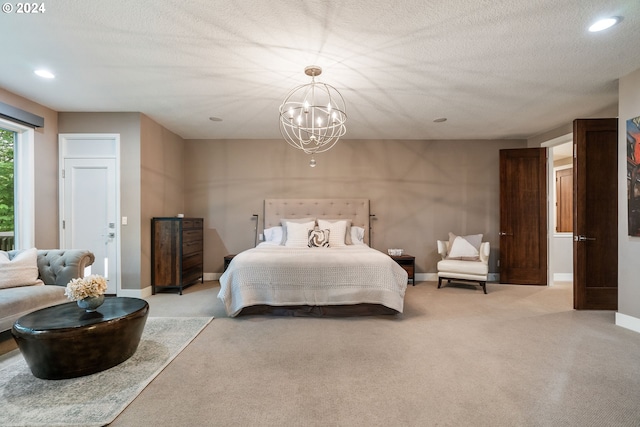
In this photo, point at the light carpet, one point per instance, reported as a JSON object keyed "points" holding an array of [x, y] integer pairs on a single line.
{"points": [[94, 400]]}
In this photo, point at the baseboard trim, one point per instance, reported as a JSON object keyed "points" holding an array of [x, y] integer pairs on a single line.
{"points": [[563, 277], [426, 277], [628, 322], [135, 293]]}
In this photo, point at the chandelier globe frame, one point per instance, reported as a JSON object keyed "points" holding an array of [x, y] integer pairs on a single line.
{"points": [[313, 115]]}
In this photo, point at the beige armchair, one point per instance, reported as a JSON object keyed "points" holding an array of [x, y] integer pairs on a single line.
{"points": [[463, 270]]}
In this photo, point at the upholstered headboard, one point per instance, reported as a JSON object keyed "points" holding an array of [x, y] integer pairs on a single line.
{"points": [[357, 210]]}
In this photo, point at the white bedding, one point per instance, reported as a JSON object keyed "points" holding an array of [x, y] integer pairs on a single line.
{"points": [[279, 276]]}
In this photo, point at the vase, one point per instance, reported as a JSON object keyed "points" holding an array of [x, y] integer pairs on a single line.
{"points": [[90, 304]]}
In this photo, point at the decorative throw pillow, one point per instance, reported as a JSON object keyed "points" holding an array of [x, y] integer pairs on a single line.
{"points": [[338, 231], [319, 238], [298, 234], [22, 270], [464, 248], [284, 221]]}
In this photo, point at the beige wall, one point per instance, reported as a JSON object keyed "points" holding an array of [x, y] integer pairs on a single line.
{"points": [[46, 165], [419, 190], [128, 126], [162, 182], [628, 247]]}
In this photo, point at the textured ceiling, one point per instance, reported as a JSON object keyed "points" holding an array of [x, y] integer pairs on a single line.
{"points": [[494, 69]]}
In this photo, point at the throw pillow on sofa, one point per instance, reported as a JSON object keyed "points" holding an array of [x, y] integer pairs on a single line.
{"points": [[464, 248], [22, 270]]}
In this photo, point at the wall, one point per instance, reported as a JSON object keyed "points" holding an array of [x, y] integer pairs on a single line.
{"points": [[419, 190], [628, 247], [46, 179], [128, 126], [162, 182]]}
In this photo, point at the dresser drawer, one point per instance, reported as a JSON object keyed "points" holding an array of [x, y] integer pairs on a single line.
{"points": [[188, 223], [189, 248], [189, 261], [191, 275], [189, 236]]}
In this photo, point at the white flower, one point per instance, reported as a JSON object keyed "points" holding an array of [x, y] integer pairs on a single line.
{"points": [[90, 286]]}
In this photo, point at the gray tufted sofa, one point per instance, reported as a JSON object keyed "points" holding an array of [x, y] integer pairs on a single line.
{"points": [[55, 267]]}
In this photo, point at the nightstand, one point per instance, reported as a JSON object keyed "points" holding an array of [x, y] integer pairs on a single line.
{"points": [[408, 262], [227, 260]]}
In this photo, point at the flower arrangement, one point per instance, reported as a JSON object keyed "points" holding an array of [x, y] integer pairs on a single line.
{"points": [[90, 286]]}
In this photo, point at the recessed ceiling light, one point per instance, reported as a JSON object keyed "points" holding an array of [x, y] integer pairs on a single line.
{"points": [[44, 74], [440, 120], [215, 119], [603, 24]]}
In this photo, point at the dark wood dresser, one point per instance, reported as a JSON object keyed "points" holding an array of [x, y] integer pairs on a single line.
{"points": [[176, 252]]}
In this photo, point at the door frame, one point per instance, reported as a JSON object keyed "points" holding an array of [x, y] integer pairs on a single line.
{"points": [[100, 153]]}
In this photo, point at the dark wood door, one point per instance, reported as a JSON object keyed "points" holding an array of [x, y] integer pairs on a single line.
{"points": [[523, 216], [595, 246]]}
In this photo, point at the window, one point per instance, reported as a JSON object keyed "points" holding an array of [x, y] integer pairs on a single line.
{"points": [[7, 222], [23, 183]]}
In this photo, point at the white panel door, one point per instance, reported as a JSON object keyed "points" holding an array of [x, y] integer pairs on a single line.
{"points": [[90, 213]]}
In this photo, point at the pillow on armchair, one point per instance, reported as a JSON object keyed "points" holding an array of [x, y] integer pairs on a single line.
{"points": [[464, 248]]}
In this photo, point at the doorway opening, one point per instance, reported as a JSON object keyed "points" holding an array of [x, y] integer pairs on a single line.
{"points": [[560, 203]]}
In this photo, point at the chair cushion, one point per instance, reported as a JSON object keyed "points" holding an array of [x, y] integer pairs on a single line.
{"points": [[463, 267]]}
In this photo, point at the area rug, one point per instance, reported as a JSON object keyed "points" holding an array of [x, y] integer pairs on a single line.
{"points": [[94, 400]]}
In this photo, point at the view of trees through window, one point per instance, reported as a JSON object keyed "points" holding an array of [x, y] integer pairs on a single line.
{"points": [[7, 139]]}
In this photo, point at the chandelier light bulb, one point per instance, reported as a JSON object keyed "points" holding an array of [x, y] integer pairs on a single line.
{"points": [[312, 163]]}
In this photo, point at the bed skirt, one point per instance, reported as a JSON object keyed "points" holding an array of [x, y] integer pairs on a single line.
{"points": [[364, 309]]}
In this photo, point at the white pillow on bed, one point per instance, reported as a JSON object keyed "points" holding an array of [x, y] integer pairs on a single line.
{"points": [[273, 234], [337, 231], [284, 221], [357, 235], [298, 234], [347, 236]]}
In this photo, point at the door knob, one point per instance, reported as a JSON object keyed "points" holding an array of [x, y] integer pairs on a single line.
{"points": [[581, 238]]}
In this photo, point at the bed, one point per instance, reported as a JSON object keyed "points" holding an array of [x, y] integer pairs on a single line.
{"points": [[339, 275]]}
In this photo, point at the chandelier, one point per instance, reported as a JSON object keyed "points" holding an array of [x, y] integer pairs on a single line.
{"points": [[312, 116]]}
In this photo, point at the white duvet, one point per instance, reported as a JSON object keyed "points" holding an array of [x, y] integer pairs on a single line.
{"points": [[278, 276]]}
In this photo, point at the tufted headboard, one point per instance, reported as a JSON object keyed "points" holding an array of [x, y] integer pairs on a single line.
{"points": [[357, 210]]}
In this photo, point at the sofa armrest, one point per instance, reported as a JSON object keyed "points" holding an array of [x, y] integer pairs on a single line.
{"points": [[442, 248], [485, 251], [59, 266]]}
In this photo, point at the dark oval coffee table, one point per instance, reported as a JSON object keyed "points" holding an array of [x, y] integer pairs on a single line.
{"points": [[65, 341]]}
